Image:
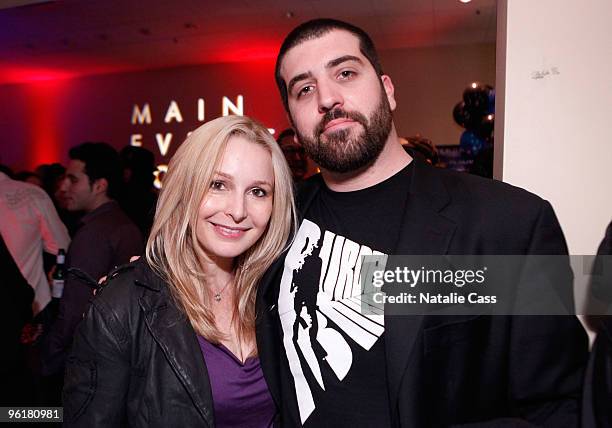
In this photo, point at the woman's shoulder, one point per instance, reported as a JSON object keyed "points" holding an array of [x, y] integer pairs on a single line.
{"points": [[128, 284]]}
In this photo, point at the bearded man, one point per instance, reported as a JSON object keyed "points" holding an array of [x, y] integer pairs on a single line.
{"points": [[329, 364]]}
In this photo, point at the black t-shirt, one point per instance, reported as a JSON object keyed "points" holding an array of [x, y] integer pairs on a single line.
{"points": [[335, 358]]}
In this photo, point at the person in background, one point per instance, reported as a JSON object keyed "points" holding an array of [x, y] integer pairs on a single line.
{"points": [[106, 238], [29, 227], [421, 147], [294, 153], [138, 196], [15, 312], [171, 337], [7, 171], [28, 177], [596, 410], [52, 176]]}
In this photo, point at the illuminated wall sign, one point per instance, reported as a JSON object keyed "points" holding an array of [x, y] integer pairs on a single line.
{"points": [[144, 115]]}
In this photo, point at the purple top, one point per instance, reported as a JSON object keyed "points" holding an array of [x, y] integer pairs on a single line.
{"points": [[240, 394]]}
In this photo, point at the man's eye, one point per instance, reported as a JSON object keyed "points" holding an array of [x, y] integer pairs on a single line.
{"points": [[259, 192], [305, 91], [346, 74], [217, 185]]}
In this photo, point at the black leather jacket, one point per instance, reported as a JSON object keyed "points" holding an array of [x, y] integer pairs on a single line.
{"points": [[136, 360]]}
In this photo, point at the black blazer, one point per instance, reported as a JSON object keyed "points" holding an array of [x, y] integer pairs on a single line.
{"points": [[445, 370]]}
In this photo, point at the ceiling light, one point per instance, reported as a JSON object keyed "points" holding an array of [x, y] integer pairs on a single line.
{"points": [[465, 1]]}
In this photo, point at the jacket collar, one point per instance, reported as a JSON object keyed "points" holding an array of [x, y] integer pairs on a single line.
{"points": [[174, 335]]}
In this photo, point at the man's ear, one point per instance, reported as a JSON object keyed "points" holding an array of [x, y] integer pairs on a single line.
{"points": [[290, 120], [100, 186], [389, 90]]}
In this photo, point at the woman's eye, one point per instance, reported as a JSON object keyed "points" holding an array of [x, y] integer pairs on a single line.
{"points": [[217, 185], [259, 192]]}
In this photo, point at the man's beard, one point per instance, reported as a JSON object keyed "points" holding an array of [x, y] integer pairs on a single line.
{"points": [[341, 152]]}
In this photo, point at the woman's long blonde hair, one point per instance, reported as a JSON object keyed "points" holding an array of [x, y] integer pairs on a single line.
{"points": [[173, 250]]}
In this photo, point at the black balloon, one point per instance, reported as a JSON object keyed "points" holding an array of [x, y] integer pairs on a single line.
{"points": [[459, 114], [486, 126], [465, 117], [476, 98]]}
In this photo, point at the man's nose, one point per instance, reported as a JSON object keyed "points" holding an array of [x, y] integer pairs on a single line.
{"points": [[236, 207], [63, 185], [328, 97]]}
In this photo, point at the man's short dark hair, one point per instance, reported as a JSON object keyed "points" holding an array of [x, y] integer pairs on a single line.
{"points": [[101, 161], [313, 30]]}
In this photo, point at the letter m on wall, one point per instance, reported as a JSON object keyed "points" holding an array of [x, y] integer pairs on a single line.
{"points": [[141, 115]]}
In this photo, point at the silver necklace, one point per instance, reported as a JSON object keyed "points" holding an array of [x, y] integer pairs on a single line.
{"points": [[218, 293]]}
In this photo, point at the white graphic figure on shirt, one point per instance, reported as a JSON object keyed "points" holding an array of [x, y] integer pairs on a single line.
{"points": [[329, 289]]}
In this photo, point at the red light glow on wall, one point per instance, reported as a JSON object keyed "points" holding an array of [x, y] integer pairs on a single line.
{"points": [[45, 144], [253, 50], [12, 74]]}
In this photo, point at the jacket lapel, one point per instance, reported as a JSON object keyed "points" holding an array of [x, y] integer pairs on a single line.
{"points": [[175, 336], [266, 329], [425, 231]]}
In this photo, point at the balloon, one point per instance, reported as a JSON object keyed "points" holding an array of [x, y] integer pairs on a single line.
{"points": [[471, 143], [464, 117], [460, 114], [476, 98], [491, 107], [485, 127]]}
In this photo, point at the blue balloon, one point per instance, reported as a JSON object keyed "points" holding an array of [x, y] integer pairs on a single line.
{"points": [[491, 103], [471, 143]]}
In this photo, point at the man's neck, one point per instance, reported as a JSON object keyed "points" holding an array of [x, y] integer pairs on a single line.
{"points": [[99, 201], [392, 159]]}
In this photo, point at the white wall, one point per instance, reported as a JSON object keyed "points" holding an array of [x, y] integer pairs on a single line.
{"points": [[430, 81], [556, 131]]}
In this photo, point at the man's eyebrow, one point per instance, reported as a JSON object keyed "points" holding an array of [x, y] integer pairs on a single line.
{"points": [[340, 60], [296, 79]]}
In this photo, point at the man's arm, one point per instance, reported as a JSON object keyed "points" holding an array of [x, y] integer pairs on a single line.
{"points": [[548, 353]]}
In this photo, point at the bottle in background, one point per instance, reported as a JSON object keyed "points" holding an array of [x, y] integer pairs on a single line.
{"points": [[59, 275]]}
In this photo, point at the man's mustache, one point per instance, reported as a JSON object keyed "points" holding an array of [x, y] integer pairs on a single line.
{"points": [[339, 113]]}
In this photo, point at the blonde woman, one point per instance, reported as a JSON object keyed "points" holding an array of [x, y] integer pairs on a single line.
{"points": [[170, 340]]}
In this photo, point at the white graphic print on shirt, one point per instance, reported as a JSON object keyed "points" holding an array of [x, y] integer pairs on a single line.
{"points": [[306, 303]]}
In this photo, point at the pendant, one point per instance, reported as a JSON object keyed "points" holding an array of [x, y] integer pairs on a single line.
{"points": [[218, 297]]}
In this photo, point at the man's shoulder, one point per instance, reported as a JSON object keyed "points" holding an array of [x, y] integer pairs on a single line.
{"points": [[109, 222], [465, 188], [16, 192]]}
